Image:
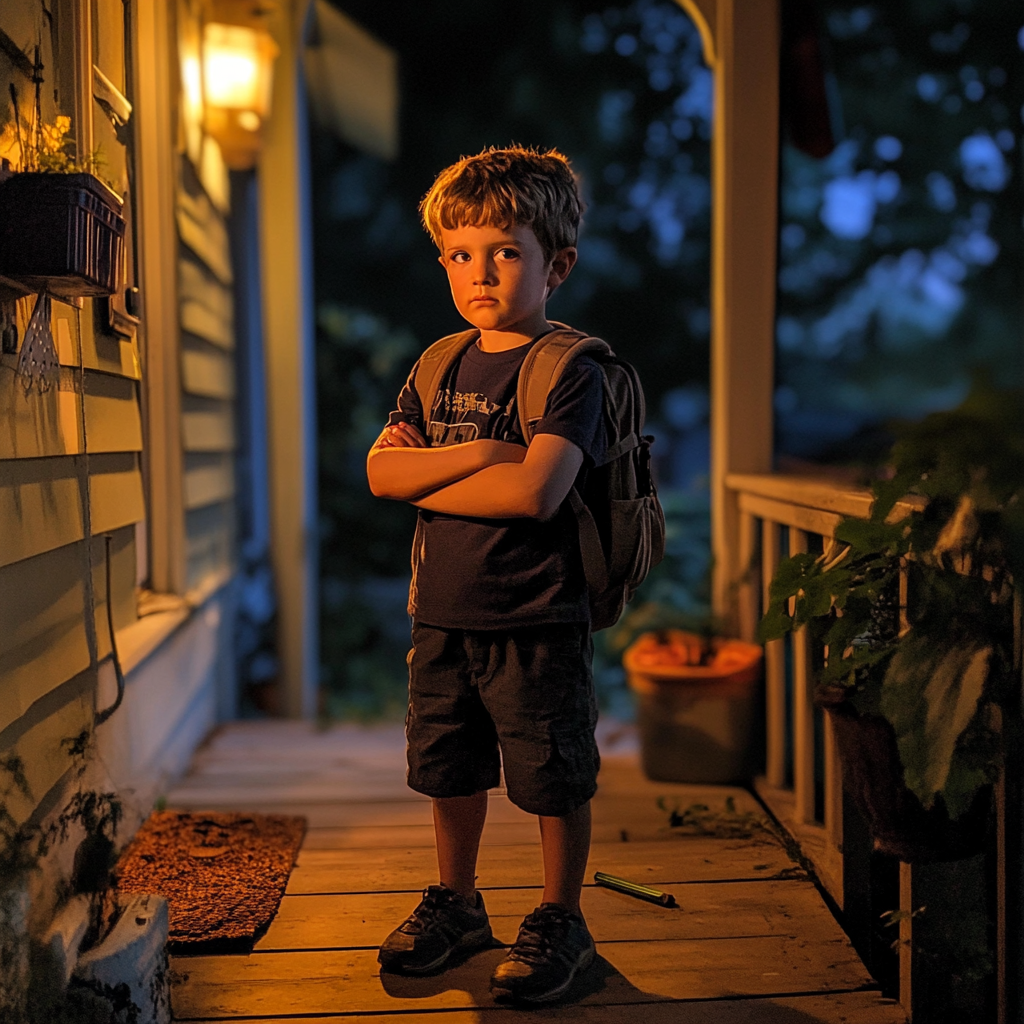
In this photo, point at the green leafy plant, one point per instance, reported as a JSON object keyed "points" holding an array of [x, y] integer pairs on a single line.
{"points": [[937, 674], [43, 146]]}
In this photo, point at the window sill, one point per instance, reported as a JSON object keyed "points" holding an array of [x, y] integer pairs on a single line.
{"points": [[136, 642]]}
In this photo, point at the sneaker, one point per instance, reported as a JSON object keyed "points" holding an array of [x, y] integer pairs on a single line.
{"points": [[444, 923], [553, 947]]}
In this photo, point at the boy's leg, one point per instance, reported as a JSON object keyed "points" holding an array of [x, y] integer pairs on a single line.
{"points": [[452, 748], [566, 845], [458, 825], [541, 699]]}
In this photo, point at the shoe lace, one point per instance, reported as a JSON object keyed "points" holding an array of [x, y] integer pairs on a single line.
{"points": [[435, 898], [540, 932]]}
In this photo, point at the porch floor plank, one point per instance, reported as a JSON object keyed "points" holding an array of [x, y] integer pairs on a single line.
{"points": [[845, 1007], [333, 981], [682, 859], [705, 911], [751, 940]]}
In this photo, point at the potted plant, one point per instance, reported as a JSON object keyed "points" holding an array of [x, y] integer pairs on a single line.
{"points": [[916, 695], [696, 696]]}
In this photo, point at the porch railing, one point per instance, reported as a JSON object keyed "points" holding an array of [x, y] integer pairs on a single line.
{"points": [[802, 782]]}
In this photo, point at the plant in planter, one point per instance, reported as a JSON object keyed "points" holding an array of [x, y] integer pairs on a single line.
{"points": [[915, 696], [695, 694], [61, 229]]}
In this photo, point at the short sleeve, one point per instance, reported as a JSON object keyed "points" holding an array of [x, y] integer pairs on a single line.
{"points": [[575, 409], [409, 408]]}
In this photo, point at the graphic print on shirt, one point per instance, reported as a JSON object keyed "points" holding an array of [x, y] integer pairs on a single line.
{"points": [[459, 416]]}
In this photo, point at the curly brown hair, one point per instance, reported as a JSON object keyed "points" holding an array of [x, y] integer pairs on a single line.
{"points": [[502, 187]]}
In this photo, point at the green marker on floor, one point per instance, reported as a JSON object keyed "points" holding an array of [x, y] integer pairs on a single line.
{"points": [[641, 892]]}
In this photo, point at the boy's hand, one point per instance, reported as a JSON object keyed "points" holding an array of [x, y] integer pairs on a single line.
{"points": [[400, 435], [414, 469], [405, 435], [534, 488]]}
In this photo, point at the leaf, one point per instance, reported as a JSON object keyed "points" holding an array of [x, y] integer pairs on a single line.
{"points": [[819, 592], [930, 694], [869, 535], [888, 492], [962, 783], [791, 576], [775, 624]]}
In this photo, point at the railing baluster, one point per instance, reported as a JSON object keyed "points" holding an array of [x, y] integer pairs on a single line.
{"points": [[748, 595], [833, 787], [803, 709], [775, 669], [906, 938], [833, 771]]}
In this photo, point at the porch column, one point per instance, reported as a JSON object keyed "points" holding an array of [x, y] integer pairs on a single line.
{"points": [[741, 40], [287, 284]]}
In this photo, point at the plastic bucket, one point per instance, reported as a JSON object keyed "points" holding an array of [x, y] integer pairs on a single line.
{"points": [[696, 721]]}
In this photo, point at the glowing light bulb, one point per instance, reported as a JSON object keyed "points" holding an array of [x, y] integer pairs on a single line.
{"points": [[237, 63]]}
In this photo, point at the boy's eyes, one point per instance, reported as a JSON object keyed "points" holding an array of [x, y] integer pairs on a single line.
{"points": [[505, 253]]}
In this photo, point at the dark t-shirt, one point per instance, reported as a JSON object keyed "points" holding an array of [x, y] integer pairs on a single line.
{"points": [[470, 573]]}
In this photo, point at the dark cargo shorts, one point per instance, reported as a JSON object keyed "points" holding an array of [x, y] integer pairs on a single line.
{"points": [[528, 690]]}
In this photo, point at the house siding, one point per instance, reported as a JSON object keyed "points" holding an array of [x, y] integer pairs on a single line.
{"points": [[76, 475]]}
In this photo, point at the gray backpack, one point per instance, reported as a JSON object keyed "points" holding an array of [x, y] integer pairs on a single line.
{"points": [[621, 522]]}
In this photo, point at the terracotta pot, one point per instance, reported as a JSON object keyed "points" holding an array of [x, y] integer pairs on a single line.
{"points": [[899, 824], [696, 721]]}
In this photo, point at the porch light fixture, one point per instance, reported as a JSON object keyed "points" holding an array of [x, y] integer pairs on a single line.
{"points": [[238, 68]]}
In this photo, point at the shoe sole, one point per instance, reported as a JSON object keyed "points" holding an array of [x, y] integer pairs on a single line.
{"points": [[505, 995], [471, 940]]}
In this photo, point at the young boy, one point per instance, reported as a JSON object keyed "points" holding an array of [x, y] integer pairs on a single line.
{"points": [[502, 649]]}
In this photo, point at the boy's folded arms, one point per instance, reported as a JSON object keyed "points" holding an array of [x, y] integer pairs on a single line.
{"points": [[533, 488], [398, 469], [485, 478]]}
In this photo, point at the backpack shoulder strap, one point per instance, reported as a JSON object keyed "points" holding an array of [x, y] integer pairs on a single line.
{"points": [[540, 372], [435, 363], [543, 367]]}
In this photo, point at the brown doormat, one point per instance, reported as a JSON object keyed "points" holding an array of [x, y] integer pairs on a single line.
{"points": [[222, 874]]}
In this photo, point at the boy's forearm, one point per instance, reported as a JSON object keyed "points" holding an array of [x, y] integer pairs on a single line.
{"points": [[406, 474], [532, 489], [495, 492]]}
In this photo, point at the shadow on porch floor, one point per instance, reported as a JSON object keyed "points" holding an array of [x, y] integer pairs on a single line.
{"points": [[751, 940]]}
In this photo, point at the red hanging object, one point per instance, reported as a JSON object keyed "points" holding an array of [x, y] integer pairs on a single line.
{"points": [[810, 107]]}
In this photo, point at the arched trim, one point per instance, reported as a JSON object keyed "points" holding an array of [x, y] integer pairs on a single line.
{"points": [[704, 14]]}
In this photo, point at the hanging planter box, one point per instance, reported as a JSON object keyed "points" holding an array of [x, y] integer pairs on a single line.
{"points": [[873, 776], [62, 233]]}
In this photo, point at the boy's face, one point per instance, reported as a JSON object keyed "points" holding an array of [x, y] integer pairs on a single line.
{"points": [[500, 278]]}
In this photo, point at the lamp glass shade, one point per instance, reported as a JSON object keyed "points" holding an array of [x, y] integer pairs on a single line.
{"points": [[238, 64]]}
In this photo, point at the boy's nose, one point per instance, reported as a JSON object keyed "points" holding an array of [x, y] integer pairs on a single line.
{"points": [[486, 272]]}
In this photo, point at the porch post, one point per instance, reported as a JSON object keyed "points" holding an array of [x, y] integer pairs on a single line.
{"points": [[157, 240], [287, 284], [742, 41]]}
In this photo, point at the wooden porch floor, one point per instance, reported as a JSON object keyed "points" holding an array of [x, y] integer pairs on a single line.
{"points": [[751, 941]]}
